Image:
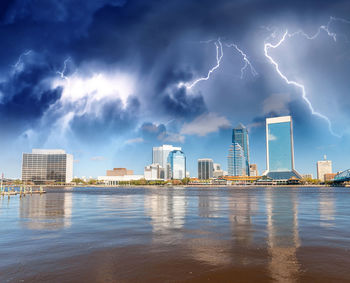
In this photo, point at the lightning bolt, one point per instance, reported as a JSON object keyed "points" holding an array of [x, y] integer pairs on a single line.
{"points": [[319, 30], [245, 59], [62, 73], [219, 55], [19, 62], [268, 46]]}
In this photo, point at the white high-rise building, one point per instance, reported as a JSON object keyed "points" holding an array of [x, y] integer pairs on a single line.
{"points": [[160, 156], [323, 167], [44, 165]]}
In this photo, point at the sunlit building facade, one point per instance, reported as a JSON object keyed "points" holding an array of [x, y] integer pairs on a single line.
{"points": [[44, 165], [154, 172], [323, 167], [176, 165], [280, 148]]}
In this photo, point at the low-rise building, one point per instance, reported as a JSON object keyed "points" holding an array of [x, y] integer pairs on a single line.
{"points": [[253, 170], [113, 177], [154, 172], [114, 180], [329, 176], [119, 172]]}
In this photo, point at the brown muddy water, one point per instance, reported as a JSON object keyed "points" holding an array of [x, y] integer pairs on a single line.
{"points": [[176, 235]]}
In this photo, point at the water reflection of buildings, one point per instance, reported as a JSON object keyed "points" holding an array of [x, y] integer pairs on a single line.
{"points": [[207, 245], [283, 235], [327, 209], [48, 211], [209, 205], [242, 208], [167, 210]]}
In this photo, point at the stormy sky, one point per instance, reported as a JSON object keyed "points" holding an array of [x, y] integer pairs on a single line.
{"points": [[107, 80]]}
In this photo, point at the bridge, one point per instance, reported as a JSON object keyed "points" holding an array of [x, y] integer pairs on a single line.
{"points": [[342, 176]]}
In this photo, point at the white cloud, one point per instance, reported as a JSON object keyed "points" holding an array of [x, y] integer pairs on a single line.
{"points": [[93, 88], [171, 137], [136, 140], [97, 158], [205, 124]]}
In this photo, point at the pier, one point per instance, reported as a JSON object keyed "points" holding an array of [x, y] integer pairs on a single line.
{"points": [[22, 190]]}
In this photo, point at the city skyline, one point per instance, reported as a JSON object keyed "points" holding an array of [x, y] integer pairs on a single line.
{"points": [[106, 87], [169, 162]]}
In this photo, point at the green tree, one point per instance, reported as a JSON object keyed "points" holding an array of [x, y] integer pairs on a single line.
{"points": [[78, 181]]}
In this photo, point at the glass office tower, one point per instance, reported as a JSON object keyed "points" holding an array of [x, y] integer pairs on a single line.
{"points": [[280, 148], [176, 165], [205, 168], [236, 161], [42, 166], [240, 136], [160, 156]]}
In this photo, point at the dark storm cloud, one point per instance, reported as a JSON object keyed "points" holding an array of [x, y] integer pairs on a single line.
{"points": [[76, 11], [151, 132], [26, 93], [106, 119], [179, 104], [151, 36]]}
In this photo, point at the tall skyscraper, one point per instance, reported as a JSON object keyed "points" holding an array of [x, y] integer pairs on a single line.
{"points": [[205, 168], [280, 148], [230, 161], [160, 156], [176, 165], [43, 165], [323, 167], [236, 161], [240, 136]]}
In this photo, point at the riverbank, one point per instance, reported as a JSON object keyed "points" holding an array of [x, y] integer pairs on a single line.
{"points": [[193, 186]]}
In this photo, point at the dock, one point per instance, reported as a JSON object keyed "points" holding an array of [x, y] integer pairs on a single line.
{"points": [[11, 191]]}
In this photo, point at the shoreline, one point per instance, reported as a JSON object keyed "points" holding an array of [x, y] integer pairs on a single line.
{"points": [[193, 186]]}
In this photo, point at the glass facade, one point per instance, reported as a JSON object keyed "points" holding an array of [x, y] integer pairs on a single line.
{"points": [[236, 161], [205, 169], [280, 147], [160, 156], [176, 165], [240, 136], [230, 161], [44, 167]]}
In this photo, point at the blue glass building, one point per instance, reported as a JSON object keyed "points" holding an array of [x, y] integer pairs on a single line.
{"points": [[236, 161], [240, 136], [280, 148], [176, 165]]}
